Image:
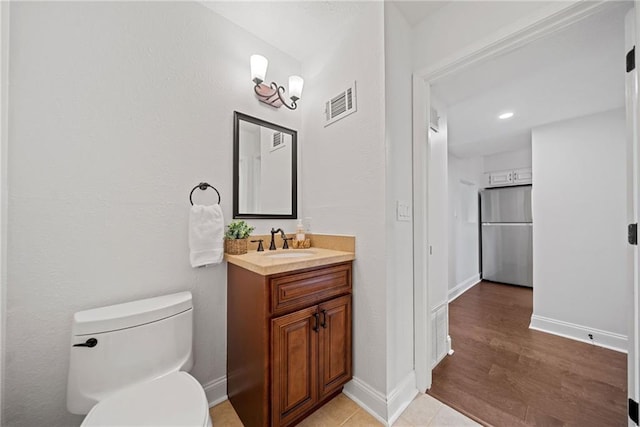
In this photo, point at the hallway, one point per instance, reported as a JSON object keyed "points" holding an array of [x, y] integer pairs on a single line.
{"points": [[504, 374]]}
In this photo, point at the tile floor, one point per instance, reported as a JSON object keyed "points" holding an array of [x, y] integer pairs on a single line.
{"points": [[342, 411]]}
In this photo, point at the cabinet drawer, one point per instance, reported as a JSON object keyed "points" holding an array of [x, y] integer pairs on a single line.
{"points": [[293, 291]]}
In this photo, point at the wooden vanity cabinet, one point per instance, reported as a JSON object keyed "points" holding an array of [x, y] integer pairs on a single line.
{"points": [[288, 341]]}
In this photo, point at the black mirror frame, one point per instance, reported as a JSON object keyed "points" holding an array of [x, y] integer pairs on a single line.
{"points": [[237, 116]]}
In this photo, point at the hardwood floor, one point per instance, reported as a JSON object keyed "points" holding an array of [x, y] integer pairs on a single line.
{"points": [[504, 374]]}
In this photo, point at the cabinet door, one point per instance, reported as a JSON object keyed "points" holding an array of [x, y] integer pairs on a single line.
{"points": [[335, 344], [522, 176], [294, 369], [499, 178]]}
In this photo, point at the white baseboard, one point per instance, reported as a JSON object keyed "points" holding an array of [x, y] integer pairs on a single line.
{"points": [[367, 398], [463, 287], [401, 397], [376, 404], [439, 358], [440, 332], [572, 331], [216, 391]]}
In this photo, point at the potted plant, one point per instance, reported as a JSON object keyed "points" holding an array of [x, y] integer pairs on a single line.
{"points": [[236, 237]]}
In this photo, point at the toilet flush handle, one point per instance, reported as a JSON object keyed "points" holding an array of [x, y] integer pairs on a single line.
{"points": [[91, 342]]}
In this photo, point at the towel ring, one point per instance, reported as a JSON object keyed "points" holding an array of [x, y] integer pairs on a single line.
{"points": [[203, 186]]}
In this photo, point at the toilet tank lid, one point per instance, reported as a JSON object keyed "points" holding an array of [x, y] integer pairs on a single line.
{"points": [[130, 314]]}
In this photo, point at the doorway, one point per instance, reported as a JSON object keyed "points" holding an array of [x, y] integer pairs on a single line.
{"points": [[422, 104]]}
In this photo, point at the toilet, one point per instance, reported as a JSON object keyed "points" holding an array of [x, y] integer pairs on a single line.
{"points": [[128, 365]]}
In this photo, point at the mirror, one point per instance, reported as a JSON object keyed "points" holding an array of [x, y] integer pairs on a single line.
{"points": [[264, 169]]}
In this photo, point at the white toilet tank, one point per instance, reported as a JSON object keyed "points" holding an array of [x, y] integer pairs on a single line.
{"points": [[125, 344]]}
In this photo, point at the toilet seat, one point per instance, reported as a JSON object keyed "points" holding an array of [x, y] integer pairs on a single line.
{"points": [[173, 400]]}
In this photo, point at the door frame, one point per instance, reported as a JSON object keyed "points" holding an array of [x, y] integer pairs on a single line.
{"points": [[633, 135], [4, 143], [547, 21]]}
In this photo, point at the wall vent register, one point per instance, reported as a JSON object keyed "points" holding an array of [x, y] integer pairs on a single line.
{"points": [[341, 105], [277, 141]]}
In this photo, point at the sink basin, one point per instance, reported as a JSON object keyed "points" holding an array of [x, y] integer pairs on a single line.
{"points": [[291, 254]]}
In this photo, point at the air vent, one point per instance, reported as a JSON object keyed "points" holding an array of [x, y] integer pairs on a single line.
{"points": [[341, 105], [277, 141]]}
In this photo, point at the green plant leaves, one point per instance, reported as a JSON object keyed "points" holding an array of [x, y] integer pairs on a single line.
{"points": [[238, 230]]}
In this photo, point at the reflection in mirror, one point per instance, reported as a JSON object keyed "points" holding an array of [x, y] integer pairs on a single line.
{"points": [[264, 169]]}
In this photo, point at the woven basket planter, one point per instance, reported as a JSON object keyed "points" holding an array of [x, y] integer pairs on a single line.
{"points": [[235, 246]]}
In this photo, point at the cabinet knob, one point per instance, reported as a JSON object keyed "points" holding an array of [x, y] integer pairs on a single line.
{"points": [[316, 327], [324, 319]]}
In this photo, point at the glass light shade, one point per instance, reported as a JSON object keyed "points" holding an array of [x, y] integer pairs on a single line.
{"points": [[295, 87], [258, 68]]}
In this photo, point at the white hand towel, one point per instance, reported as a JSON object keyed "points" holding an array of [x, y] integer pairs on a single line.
{"points": [[206, 235]]}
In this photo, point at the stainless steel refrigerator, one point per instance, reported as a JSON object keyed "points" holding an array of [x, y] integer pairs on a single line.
{"points": [[507, 235]]}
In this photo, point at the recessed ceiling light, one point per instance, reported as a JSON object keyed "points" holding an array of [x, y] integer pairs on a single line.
{"points": [[506, 115]]}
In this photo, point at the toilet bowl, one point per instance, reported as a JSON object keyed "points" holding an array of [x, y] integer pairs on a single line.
{"points": [[176, 399], [128, 365]]}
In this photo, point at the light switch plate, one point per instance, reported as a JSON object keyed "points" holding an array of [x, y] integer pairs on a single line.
{"points": [[403, 211]]}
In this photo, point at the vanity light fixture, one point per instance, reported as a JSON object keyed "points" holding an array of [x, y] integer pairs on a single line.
{"points": [[274, 94], [506, 115]]}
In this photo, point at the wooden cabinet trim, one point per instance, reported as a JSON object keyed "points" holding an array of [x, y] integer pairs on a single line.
{"points": [[293, 291], [248, 345]]}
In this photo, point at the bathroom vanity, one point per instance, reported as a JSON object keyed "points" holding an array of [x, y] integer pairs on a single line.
{"points": [[288, 332]]}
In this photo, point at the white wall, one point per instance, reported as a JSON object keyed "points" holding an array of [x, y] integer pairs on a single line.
{"points": [[343, 170], [508, 160], [117, 111], [474, 23], [579, 232], [465, 180], [399, 234]]}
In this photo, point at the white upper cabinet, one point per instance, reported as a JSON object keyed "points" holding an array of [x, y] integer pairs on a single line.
{"points": [[508, 177], [522, 176]]}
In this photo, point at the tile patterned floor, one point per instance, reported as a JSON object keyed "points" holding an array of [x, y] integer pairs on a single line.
{"points": [[342, 411]]}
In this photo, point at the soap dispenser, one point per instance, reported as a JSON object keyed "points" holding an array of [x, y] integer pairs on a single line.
{"points": [[300, 232]]}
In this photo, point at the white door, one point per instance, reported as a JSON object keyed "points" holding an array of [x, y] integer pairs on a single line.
{"points": [[632, 22]]}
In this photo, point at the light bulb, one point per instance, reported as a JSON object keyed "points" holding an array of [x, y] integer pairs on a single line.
{"points": [[258, 68], [295, 87]]}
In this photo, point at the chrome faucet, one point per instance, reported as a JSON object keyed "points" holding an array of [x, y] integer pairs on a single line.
{"points": [[285, 239]]}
